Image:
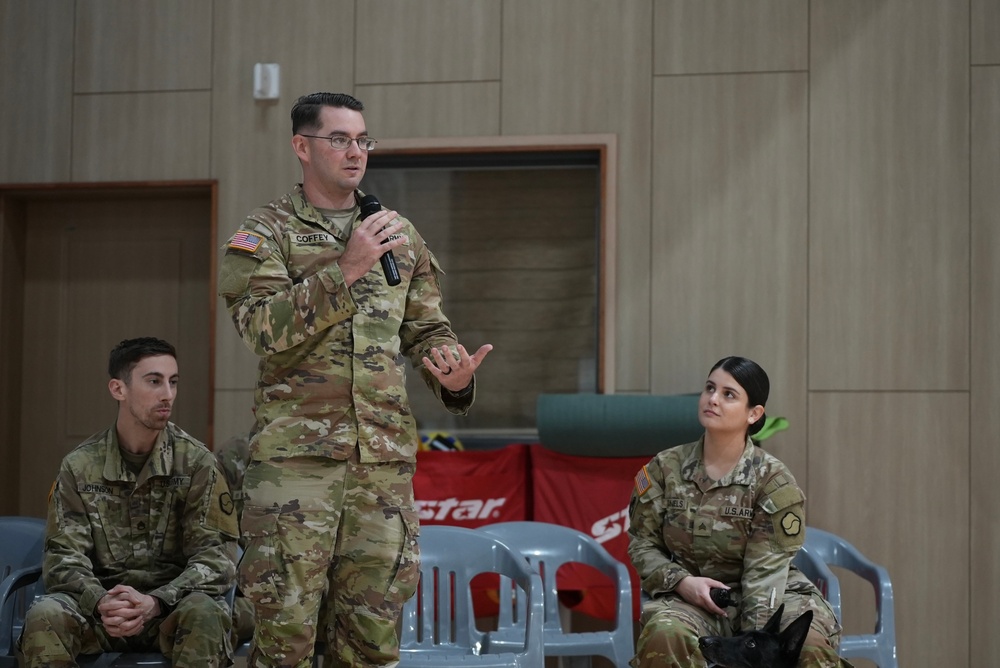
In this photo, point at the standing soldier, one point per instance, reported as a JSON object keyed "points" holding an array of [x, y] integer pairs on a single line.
{"points": [[329, 517], [141, 533]]}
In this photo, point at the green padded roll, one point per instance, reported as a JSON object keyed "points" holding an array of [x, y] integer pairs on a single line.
{"points": [[616, 425]]}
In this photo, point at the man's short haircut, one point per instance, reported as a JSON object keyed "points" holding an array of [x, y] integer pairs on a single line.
{"points": [[130, 352], [306, 110]]}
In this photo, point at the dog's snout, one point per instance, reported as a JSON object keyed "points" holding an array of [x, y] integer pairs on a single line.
{"points": [[708, 641]]}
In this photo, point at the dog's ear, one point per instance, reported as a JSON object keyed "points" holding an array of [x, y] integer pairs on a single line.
{"points": [[774, 624], [793, 637]]}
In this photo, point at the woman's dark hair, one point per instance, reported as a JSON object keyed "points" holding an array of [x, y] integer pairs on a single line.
{"points": [[752, 379], [305, 111], [130, 352]]}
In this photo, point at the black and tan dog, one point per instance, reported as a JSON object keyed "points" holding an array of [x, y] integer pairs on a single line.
{"points": [[767, 648]]}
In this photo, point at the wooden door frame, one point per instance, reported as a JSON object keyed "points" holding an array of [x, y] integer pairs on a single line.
{"points": [[13, 248], [606, 146]]}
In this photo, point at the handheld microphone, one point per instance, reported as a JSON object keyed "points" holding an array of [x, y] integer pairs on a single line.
{"points": [[370, 205]]}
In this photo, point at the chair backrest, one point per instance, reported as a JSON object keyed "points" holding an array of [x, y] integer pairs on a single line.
{"points": [[813, 567], [547, 547], [880, 645], [22, 540], [439, 622]]}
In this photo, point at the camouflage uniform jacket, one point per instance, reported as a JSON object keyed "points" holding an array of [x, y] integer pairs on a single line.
{"points": [[169, 532], [233, 456], [331, 376], [742, 530]]}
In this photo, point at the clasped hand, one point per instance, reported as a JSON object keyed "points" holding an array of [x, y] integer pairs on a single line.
{"points": [[125, 611]]}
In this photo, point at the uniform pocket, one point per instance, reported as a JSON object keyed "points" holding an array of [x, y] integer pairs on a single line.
{"points": [[116, 527], [258, 570], [404, 581]]}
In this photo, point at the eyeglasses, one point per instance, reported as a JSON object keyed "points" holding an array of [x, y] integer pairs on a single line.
{"points": [[343, 142]]}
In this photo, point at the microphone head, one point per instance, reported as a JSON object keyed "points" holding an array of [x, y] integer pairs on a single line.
{"points": [[369, 205]]}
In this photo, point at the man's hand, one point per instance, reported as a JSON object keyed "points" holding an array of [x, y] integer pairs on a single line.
{"points": [[455, 374], [365, 246], [124, 611]]}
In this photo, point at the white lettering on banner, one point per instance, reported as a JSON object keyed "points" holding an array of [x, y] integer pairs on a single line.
{"points": [[609, 527], [468, 509]]}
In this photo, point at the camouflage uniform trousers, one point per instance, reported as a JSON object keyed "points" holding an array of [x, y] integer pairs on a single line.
{"points": [[195, 634], [333, 535], [671, 628], [243, 623]]}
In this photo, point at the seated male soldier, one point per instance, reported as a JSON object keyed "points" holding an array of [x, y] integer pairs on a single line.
{"points": [[141, 533]]}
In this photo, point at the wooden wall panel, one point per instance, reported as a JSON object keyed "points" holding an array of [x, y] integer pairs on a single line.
{"points": [[889, 472], [985, 533], [141, 136], [985, 24], [889, 196], [728, 36], [729, 237], [12, 257], [36, 52], [432, 110], [431, 40], [142, 45], [251, 140], [586, 89], [235, 364]]}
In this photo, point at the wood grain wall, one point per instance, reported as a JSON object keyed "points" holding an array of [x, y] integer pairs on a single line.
{"points": [[812, 184]]}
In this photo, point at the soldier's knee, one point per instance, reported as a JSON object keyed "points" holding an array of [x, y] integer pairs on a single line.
{"points": [[200, 611], [45, 613], [667, 641], [818, 652]]}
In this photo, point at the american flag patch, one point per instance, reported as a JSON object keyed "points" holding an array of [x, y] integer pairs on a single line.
{"points": [[642, 481], [246, 241]]}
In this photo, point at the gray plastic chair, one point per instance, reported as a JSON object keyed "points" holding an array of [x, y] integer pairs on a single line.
{"points": [[547, 547], [439, 626], [813, 567], [22, 540], [832, 550]]}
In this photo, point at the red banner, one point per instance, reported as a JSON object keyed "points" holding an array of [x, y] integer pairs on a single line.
{"points": [[473, 487], [590, 494]]}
